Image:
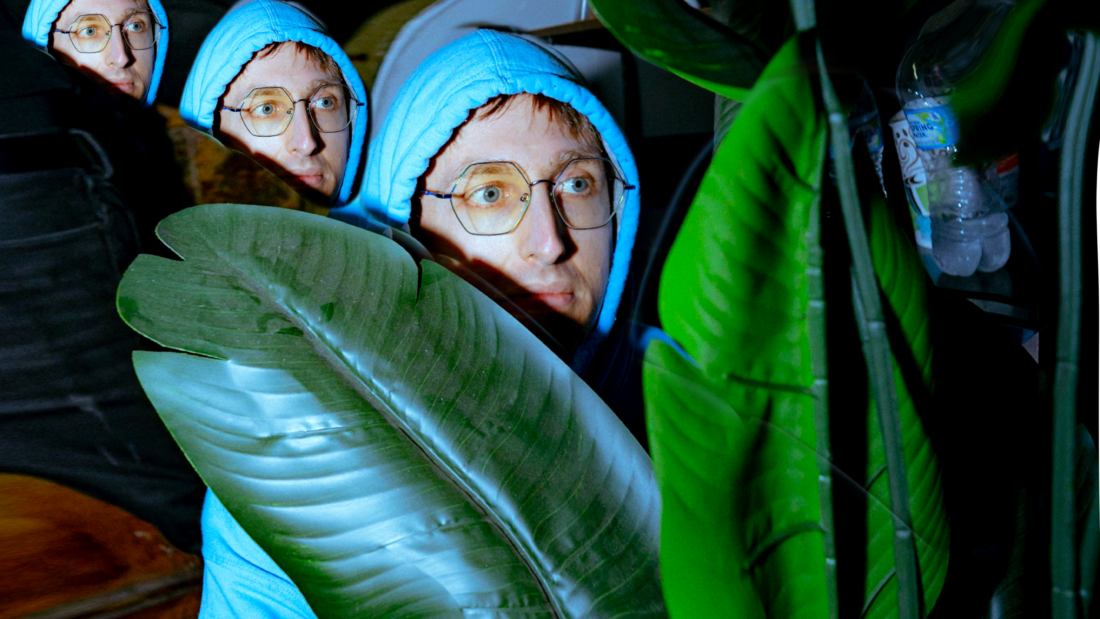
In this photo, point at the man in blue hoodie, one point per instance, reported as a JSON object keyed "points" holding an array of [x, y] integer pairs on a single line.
{"points": [[497, 158], [81, 33], [491, 97], [254, 68]]}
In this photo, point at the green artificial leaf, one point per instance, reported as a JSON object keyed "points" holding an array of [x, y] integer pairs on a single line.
{"points": [[987, 83], [674, 36], [394, 440], [1011, 92], [767, 24], [734, 437]]}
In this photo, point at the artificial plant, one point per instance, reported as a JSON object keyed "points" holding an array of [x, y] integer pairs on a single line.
{"points": [[393, 439]]}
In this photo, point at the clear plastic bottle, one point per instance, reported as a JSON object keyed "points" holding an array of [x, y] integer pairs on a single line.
{"points": [[968, 223], [865, 121]]}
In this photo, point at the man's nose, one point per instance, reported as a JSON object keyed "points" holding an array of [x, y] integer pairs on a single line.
{"points": [[118, 54], [541, 231], [301, 137]]}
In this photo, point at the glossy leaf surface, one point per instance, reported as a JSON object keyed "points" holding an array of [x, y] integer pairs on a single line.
{"points": [[674, 36], [733, 439], [393, 439]]}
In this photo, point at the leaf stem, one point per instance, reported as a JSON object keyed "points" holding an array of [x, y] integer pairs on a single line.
{"points": [[805, 18], [819, 368], [1070, 181], [876, 350], [1089, 544]]}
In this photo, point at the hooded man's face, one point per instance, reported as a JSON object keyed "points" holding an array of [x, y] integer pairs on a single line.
{"points": [[122, 70], [556, 275], [308, 160]]}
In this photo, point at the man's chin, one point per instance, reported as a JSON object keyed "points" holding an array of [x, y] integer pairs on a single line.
{"points": [[559, 332], [120, 87], [309, 189]]}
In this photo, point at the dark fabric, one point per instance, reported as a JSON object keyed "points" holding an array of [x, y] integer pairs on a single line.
{"points": [[616, 376], [66, 239], [71, 408], [117, 451]]}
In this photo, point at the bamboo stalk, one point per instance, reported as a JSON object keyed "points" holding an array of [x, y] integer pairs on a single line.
{"points": [[876, 350], [1090, 542], [805, 18], [815, 319], [1070, 180], [804, 13]]}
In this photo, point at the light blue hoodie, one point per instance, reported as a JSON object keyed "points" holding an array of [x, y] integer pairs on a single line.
{"points": [[41, 15], [243, 32], [438, 97]]}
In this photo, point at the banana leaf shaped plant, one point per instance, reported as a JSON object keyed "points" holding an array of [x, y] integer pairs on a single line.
{"points": [[743, 433], [988, 98], [395, 441]]}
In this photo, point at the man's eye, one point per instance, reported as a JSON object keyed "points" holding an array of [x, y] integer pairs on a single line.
{"points": [[487, 196], [88, 32], [576, 185], [263, 109], [324, 103], [136, 26]]}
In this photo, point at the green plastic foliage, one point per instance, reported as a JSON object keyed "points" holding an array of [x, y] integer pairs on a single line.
{"points": [[395, 441], [733, 438], [674, 36], [987, 83]]}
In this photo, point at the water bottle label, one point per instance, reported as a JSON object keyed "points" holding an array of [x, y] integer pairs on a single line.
{"points": [[923, 231], [1006, 179], [933, 127], [912, 170]]}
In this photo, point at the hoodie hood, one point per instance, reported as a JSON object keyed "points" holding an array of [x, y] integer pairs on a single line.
{"points": [[243, 32], [41, 15], [438, 97]]}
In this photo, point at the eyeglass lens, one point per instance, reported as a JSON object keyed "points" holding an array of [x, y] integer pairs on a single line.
{"points": [[90, 33], [268, 111], [491, 198]]}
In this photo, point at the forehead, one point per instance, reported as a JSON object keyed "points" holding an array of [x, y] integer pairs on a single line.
{"points": [[287, 67], [110, 8], [520, 133]]}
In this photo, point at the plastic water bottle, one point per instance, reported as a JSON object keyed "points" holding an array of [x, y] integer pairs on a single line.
{"points": [[863, 124], [969, 227], [864, 121]]}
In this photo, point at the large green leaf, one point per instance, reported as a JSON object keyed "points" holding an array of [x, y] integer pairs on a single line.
{"points": [[395, 441], [674, 36], [734, 439]]}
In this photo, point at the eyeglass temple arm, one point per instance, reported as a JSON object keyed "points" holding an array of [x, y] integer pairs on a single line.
{"points": [[443, 196]]}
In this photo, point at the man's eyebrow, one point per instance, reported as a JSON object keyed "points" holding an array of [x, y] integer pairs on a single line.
{"points": [[559, 161], [566, 156], [125, 15], [135, 9]]}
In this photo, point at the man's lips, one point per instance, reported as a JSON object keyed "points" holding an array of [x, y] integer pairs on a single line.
{"points": [[554, 299], [125, 86], [312, 180]]}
